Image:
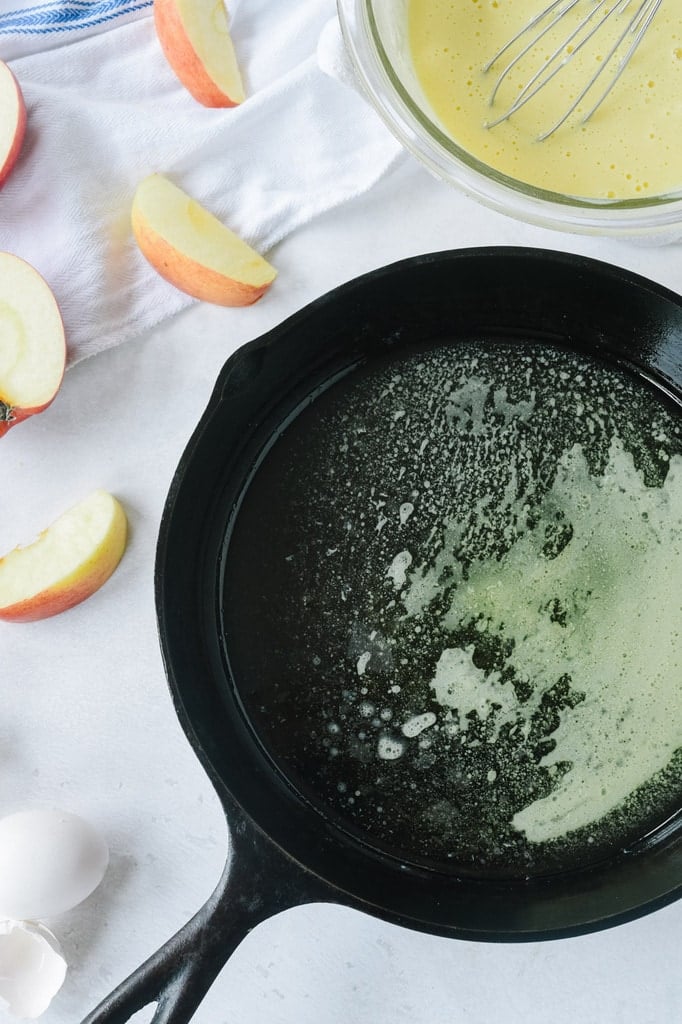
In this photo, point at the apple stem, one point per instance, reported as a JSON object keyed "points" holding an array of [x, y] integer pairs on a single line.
{"points": [[6, 412]]}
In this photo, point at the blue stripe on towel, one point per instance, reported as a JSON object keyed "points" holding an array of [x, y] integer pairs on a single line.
{"points": [[61, 16]]}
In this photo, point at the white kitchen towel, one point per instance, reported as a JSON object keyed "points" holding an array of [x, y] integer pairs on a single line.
{"points": [[106, 110]]}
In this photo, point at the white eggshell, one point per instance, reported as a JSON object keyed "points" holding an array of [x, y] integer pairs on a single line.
{"points": [[50, 861], [32, 968]]}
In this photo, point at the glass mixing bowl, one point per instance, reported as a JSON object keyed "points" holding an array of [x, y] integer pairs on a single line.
{"points": [[375, 34]]}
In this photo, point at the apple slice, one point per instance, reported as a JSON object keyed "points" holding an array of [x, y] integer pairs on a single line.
{"points": [[12, 121], [68, 562], [32, 343], [195, 37], [191, 248]]}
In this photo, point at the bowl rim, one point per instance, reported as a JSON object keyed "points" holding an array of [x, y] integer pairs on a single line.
{"points": [[446, 160]]}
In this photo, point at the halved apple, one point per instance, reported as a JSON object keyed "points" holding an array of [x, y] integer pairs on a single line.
{"points": [[12, 121], [68, 562], [32, 343], [195, 37], [189, 247]]}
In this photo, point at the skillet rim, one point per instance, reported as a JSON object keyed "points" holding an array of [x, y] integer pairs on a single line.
{"points": [[314, 847]]}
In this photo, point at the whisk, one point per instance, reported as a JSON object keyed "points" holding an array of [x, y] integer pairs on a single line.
{"points": [[628, 36]]}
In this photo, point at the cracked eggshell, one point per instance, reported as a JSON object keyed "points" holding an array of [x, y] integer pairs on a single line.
{"points": [[50, 861], [32, 968]]}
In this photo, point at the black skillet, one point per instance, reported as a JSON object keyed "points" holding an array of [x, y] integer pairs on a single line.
{"points": [[290, 840]]}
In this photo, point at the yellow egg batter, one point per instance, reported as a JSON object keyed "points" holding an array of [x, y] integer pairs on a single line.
{"points": [[630, 148]]}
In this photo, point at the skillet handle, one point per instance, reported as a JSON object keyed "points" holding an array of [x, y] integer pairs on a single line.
{"points": [[257, 882]]}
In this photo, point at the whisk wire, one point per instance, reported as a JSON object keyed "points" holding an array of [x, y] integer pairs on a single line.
{"points": [[644, 19], [566, 52], [550, 68], [526, 28], [600, 70], [533, 41]]}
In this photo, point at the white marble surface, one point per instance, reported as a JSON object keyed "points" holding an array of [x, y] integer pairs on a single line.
{"points": [[87, 723]]}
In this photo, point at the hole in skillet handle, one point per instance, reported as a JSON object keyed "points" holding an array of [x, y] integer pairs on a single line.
{"points": [[258, 881]]}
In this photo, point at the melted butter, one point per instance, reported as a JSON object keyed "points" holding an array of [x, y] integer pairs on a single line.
{"points": [[629, 149], [605, 612], [492, 682], [460, 685]]}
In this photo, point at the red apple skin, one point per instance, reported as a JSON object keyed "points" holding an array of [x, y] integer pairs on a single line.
{"points": [[17, 415], [191, 277], [56, 600], [13, 154], [11, 415], [74, 589], [183, 58]]}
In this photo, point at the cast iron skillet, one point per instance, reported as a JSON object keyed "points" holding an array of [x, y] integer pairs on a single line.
{"points": [[285, 849]]}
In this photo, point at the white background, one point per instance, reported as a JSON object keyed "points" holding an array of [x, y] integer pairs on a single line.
{"points": [[87, 723]]}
